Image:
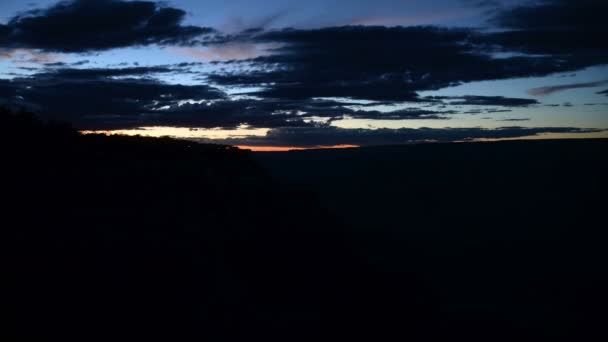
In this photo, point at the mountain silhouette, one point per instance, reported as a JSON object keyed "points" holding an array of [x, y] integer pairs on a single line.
{"points": [[124, 238]]}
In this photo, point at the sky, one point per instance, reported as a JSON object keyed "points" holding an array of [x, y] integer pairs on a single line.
{"points": [[293, 74]]}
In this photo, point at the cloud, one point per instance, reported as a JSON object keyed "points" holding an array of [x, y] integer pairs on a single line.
{"points": [[554, 15], [436, 16], [244, 23], [96, 73], [475, 100], [498, 111], [23, 56], [544, 91], [515, 120], [332, 136], [402, 114], [86, 25], [276, 113], [113, 98], [229, 114], [383, 64], [302, 79], [93, 98], [227, 52], [576, 30], [7, 53], [605, 92], [354, 62], [395, 64]]}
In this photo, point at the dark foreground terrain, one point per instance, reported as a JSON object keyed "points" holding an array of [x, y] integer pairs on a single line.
{"points": [[116, 238], [506, 240]]}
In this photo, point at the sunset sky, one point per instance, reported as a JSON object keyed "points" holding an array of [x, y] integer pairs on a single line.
{"points": [[289, 74]]}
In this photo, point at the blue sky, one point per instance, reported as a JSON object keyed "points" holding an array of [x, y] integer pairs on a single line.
{"points": [[573, 106]]}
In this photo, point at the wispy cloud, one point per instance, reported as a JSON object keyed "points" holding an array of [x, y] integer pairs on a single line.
{"points": [[431, 18], [25, 56], [544, 91], [83, 26], [243, 23], [227, 52]]}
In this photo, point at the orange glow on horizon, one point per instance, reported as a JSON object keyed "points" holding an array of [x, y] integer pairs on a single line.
{"points": [[291, 148]]}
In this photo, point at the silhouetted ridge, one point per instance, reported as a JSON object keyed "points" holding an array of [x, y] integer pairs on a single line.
{"points": [[141, 237], [131, 238]]}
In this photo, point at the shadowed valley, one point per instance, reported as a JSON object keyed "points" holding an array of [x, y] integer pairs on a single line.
{"points": [[121, 238]]}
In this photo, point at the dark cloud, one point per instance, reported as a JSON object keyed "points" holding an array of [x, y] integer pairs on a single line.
{"points": [[543, 91], [605, 92], [576, 30], [55, 64], [228, 114], [307, 78], [271, 113], [80, 63], [554, 15], [474, 100], [249, 23], [93, 98], [354, 62], [514, 120], [113, 98], [394, 64], [380, 63], [70, 73], [402, 114], [330, 136], [87, 25], [4, 34]]}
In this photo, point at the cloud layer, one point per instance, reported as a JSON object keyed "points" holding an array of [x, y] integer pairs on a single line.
{"points": [[300, 81], [90, 25], [543, 91], [380, 63], [333, 136]]}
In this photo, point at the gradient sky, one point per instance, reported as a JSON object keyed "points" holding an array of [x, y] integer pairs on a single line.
{"points": [[315, 73]]}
